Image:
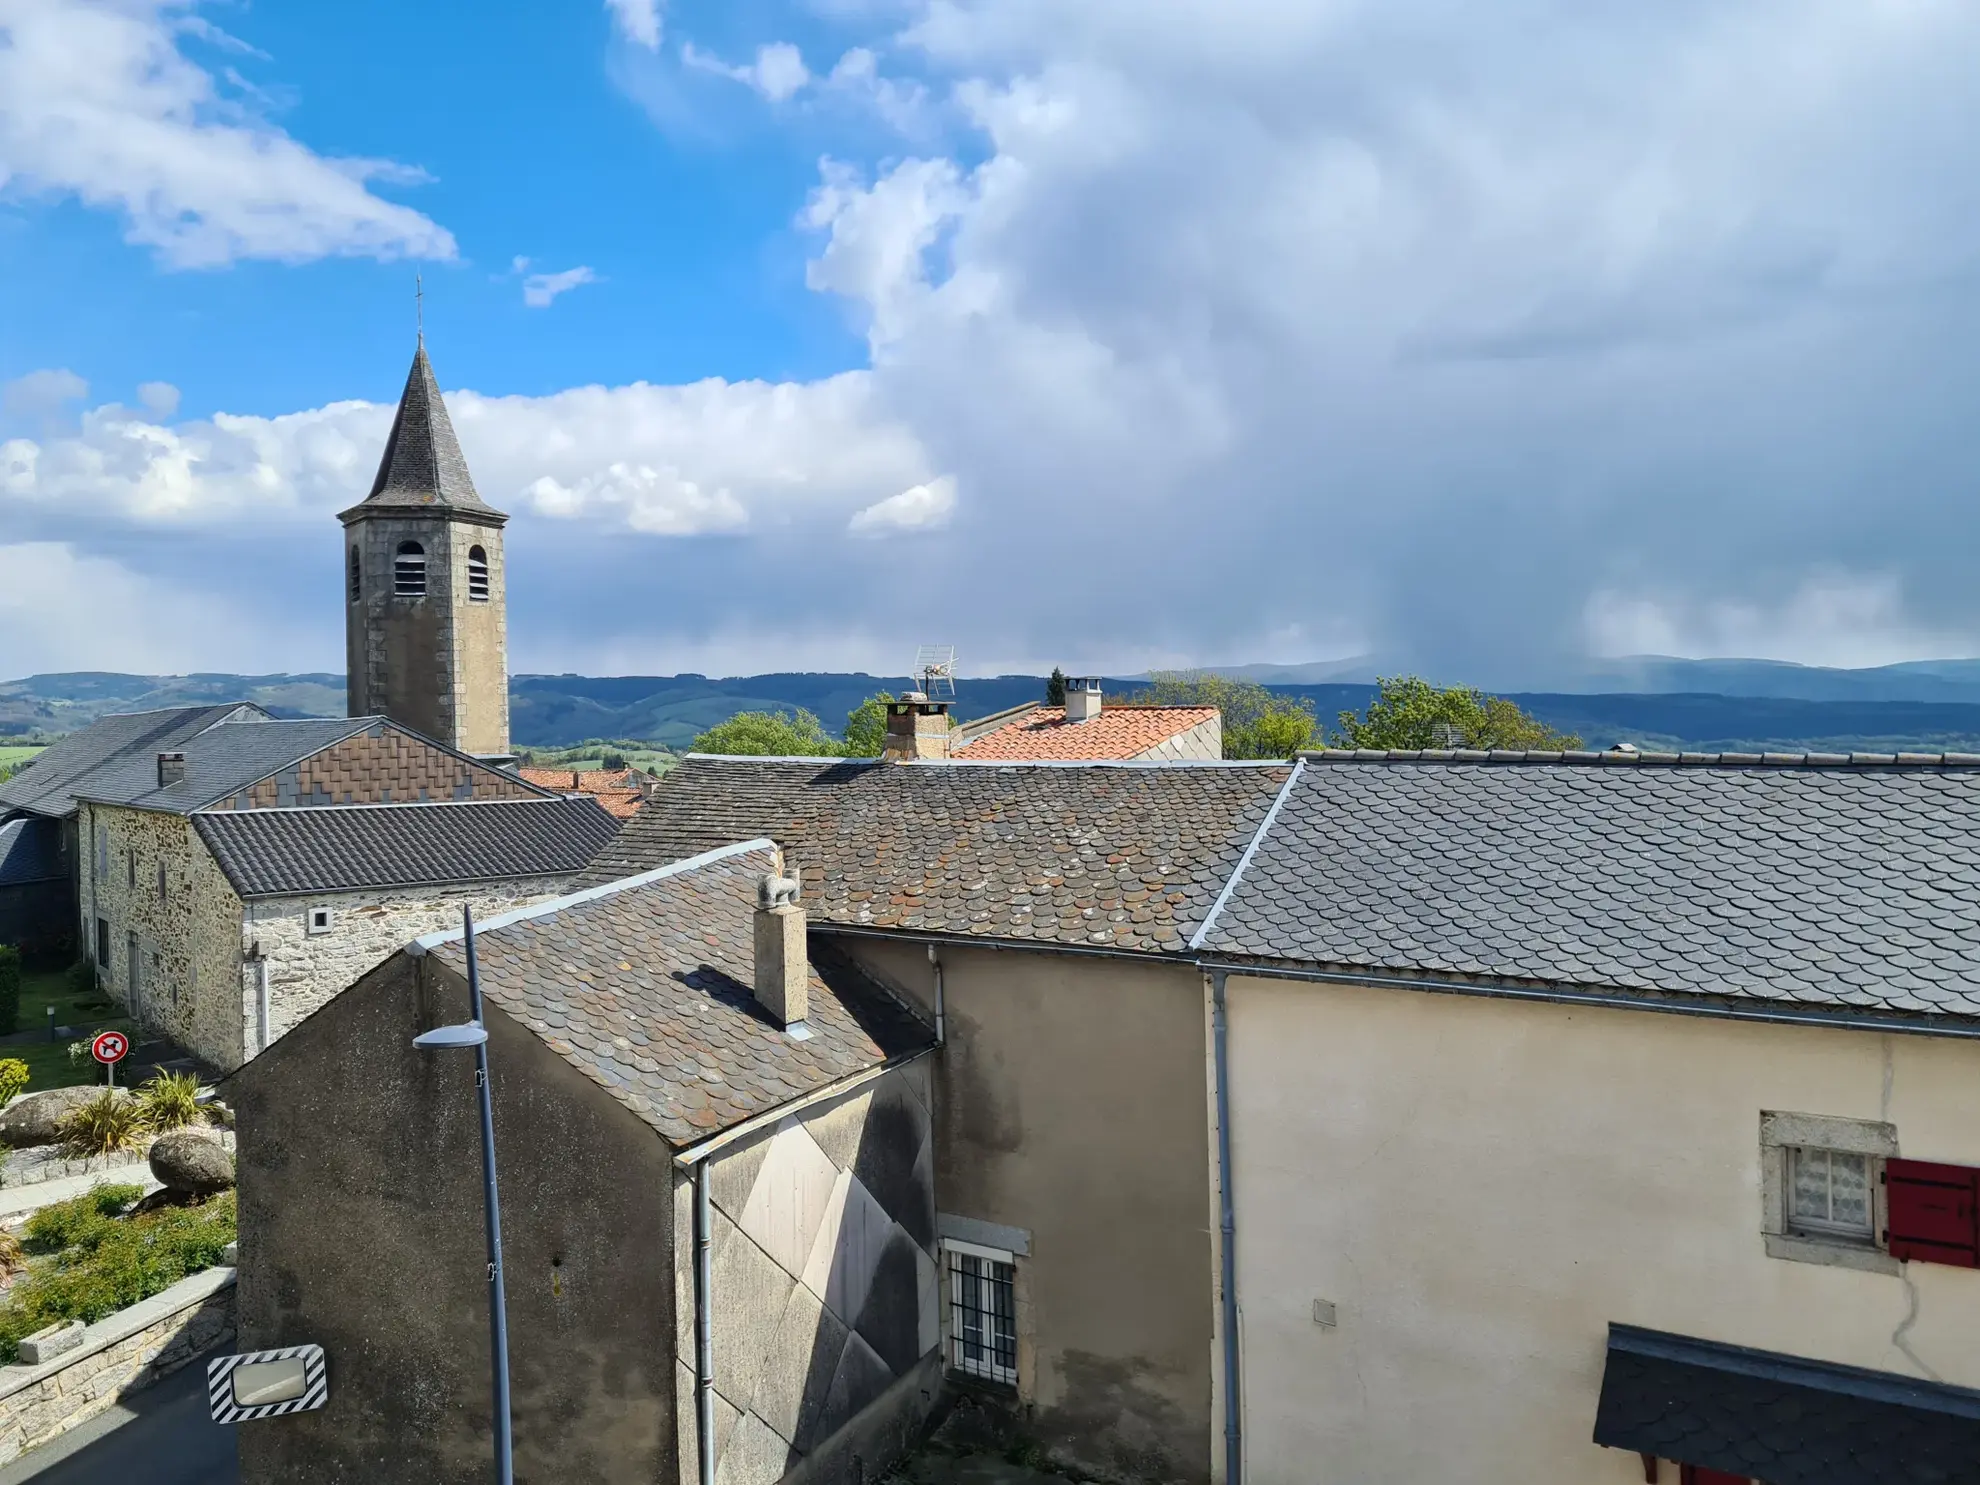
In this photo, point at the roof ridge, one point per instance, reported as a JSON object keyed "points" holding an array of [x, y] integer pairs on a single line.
{"points": [[210, 812], [1634, 758], [427, 942]]}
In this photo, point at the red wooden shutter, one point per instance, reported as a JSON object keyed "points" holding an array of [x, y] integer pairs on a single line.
{"points": [[1933, 1214]]}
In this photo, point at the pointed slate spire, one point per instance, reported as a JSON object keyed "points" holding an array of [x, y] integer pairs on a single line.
{"points": [[423, 467]]}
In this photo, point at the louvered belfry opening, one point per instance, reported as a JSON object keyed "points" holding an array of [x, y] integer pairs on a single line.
{"points": [[477, 575], [409, 571]]}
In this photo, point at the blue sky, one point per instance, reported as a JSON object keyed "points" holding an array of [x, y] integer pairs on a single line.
{"points": [[796, 334]]}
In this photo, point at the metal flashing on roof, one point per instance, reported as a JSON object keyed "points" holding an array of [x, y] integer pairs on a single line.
{"points": [[1237, 872], [1638, 758]]}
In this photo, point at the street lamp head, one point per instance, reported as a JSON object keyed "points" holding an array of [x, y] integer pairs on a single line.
{"points": [[469, 1034]]}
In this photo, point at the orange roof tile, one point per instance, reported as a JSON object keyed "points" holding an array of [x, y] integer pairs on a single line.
{"points": [[1119, 732], [611, 788]]}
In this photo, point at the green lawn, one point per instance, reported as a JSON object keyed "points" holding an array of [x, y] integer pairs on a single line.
{"points": [[48, 1062]]}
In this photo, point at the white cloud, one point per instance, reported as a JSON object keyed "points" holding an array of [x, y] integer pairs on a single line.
{"points": [[42, 392], [778, 72], [160, 399], [657, 501], [541, 289], [638, 21], [98, 102], [924, 507]]}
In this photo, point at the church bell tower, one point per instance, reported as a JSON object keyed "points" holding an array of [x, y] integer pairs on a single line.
{"points": [[425, 586]]}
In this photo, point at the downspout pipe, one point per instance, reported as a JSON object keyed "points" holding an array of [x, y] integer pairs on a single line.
{"points": [[1227, 1224], [941, 1008], [704, 1325]]}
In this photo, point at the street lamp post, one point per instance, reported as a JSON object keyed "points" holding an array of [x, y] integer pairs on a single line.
{"points": [[475, 1034]]}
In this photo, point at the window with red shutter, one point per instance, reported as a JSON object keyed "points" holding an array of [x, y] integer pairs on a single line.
{"points": [[1932, 1212]]}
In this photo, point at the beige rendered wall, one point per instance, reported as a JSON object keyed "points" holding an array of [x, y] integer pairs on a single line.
{"points": [[1481, 1186], [1070, 1102]]}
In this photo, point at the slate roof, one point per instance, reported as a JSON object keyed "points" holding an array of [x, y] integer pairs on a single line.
{"points": [[1119, 732], [1782, 1419], [1816, 880], [423, 468], [50, 784], [30, 851], [220, 762], [1126, 856], [645, 986], [342, 848]]}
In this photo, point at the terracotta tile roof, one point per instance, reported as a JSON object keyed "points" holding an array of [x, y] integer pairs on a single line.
{"points": [[645, 987], [1127, 855], [1119, 732], [617, 789]]}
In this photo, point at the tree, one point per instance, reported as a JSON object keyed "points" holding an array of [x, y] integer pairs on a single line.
{"points": [[1055, 688], [1257, 723], [866, 726], [771, 735], [1408, 713]]}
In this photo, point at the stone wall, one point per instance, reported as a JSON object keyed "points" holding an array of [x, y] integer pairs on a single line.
{"points": [[384, 765], [185, 922], [305, 969], [122, 1354]]}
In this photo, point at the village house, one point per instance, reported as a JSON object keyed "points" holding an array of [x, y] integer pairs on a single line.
{"points": [[217, 936], [1040, 914], [716, 1165], [1088, 729], [37, 898], [620, 790]]}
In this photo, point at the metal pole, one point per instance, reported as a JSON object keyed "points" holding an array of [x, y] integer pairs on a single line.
{"points": [[1227, 1222], [498, 1306], [704, 1326]]}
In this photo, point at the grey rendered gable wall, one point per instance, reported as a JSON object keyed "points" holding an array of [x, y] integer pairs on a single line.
{"points": [[361, 1230]]}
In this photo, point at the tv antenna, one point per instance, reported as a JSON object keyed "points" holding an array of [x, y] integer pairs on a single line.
{"points": [[935, 669]]}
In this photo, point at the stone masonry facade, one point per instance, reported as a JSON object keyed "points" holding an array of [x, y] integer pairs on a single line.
{"points": [[383, 765], [121, 1354], [305, 969]]}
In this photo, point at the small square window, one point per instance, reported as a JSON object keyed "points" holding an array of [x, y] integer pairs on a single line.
{"points": [[319, 920], [982, 1312], [1829, 1194]]}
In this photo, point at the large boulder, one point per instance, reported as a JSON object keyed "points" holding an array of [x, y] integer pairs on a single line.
{"points": [[37, 1118], [197, 1164]]}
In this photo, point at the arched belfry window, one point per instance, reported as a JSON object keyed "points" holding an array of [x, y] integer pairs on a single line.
{"points": [[477, 575], [409, 571], [357, 577]]}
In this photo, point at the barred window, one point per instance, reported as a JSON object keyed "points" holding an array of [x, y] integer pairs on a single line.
{"points": [[409, 571], [477, 575], [982, 1312]]}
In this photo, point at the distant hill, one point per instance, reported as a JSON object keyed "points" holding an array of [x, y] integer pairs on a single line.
{"points": [[557, 711]]}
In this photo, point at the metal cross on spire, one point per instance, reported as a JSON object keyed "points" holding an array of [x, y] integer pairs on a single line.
{"points": [[419, 307]]}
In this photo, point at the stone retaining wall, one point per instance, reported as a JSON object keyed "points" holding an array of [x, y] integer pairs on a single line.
{"points": [[122, 1354]]}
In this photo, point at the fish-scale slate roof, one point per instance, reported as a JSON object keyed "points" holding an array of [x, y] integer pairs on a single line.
{"points": [[111, 748], [1832, 882], [1127, 856], [645, 986], [343, 848], [1119, 732], [1782, 1419], [423, 467]]}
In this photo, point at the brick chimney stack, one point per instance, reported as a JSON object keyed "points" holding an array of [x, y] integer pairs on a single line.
{"points": [[783, 967], [917, 729]]}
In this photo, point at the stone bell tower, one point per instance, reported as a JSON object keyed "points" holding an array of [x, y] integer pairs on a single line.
{"points": [[425, 586]]}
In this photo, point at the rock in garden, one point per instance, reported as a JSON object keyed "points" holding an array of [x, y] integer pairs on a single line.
{"points": [[186, 1160], [37, 1118]]}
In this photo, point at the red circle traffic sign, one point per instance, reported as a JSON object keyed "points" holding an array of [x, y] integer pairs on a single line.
{"points": [[110, 1046]]}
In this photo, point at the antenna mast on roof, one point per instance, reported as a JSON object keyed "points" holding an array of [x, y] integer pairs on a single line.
{"points": [[935, 669], [419, 307]]}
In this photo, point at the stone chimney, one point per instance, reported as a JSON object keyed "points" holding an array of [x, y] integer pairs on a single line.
{"points": [[783, 968], [1083, 698], [171, 769], [917, 728]]}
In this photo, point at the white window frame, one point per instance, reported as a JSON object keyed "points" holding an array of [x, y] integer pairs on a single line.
{"points": [[1782, 1137], [318, 920], [977, 1357]]}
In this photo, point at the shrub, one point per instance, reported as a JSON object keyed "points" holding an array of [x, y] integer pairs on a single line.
{"points": [[125, 1260], [13, 1257], [13, 1077], [81, 1221], [10, 988], [82, 978], [106, 1124], [169, 1101]]}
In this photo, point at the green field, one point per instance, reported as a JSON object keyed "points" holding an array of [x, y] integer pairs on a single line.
{"points": [[12, 756]]}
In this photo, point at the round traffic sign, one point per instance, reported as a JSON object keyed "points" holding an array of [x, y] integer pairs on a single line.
{"points": [[110, 1046]]}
